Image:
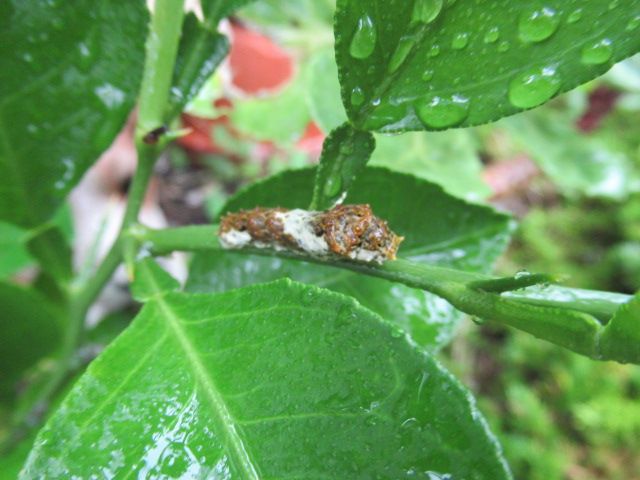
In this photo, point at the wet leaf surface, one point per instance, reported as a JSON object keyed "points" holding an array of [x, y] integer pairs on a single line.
{"points": [[278, 380], [69, 75], [435, 64]]}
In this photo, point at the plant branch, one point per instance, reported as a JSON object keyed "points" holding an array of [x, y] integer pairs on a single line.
{"points": [[572, 321]]}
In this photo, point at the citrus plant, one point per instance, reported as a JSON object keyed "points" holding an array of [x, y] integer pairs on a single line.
{"points": [[271, 362]]}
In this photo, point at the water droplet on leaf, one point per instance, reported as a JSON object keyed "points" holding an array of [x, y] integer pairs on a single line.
{"points": [[534, 87], [597, 53], [492, 35], [363, 42], [357, 96], [575, 16], [537, 24], [504, 46], [443, 112], [633, 23], [426, 11], [434, 51], [402, 50], [427, 75], [460, 41], [333, 186]]}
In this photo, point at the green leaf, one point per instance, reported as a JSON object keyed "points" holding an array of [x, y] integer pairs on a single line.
{"points": [[151, 279], [216, 10], [620, 339], [13, 254], [449, 159], [69, 75], [272, 381], [430, 64], [323, 91], [305, 17], [12, 461], [345, 153], [50, 248], [200, 52], [578, 164], [281, 118], [438, 229], [30, 328]]}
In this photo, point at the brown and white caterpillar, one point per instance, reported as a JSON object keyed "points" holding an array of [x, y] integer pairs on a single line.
{"points": [[349, 231]]}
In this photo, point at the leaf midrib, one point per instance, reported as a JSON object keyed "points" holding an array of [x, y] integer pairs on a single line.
{"points": [[225, 419]]}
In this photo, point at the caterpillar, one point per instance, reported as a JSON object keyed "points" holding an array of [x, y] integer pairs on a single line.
{"points": [[347, 231]]}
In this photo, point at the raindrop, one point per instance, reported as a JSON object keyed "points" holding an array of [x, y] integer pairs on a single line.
{"points": [[460, 41], [426, 11], [357, 96], [27, 57], [308, 298], [84, 49], [575, 16], [633, 23], [364, 39], [333, 186], [31, 128], [443, 112], [375, 102], [504, 46], [427, 75], [396, 332], [492, 35], [538, 24], [534, 87], [402, 50], [597, 53], [434, 51], [614, 4], [67, 174], [111, 96], [521, 274]]}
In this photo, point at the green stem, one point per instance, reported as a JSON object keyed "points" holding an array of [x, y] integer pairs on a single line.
{"points": [[571, 322], [162, 48]]}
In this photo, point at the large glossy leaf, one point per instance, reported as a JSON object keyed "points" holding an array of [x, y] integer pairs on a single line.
{"points": [[69, 74], [438, 229], [272, 381], [435, 64]]}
